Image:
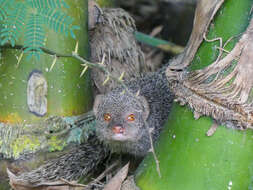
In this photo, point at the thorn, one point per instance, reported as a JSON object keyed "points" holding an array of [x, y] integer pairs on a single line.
{"points": [[151, 130], [106, 80], [123, 92], [19, 58], [121, 76], [84, 69], [138, 93], [54, 61], [76, 48], [103, 59]]}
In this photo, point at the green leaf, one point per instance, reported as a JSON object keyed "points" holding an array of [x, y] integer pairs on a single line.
{"points": [[48, 4], [13, 24], [34, 36], [4, 7], [58, 21], [15, 16]]}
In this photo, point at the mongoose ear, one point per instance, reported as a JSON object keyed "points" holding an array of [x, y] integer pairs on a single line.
{"points": [[97, 102], [146, 110]]}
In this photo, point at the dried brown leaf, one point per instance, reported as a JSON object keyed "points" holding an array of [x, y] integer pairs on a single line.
{"points": [[204, 14], [116, 182], [227, 97]]}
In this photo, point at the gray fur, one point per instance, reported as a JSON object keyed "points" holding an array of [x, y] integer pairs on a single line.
{"points": [[152, 105], [78, 162], [153, 87], [113, 36]]}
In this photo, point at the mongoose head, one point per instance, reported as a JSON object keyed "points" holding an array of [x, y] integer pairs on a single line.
{"points": [[120, 117]]}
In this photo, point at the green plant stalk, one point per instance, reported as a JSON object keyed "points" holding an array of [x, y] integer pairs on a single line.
{"points": [[158, 43], [106, 3], [188, 158], [68, 94], [4, 186], [191, 160]]}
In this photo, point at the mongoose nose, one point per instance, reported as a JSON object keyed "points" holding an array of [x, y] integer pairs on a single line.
{"points": [[118, 130]]}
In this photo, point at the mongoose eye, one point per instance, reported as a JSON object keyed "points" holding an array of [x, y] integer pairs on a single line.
{"points": [[107, 117], [131, 117]]}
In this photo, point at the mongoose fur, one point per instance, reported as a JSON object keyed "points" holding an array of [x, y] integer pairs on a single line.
{"points": [[151, 108], [112, 35], [125, 130]]}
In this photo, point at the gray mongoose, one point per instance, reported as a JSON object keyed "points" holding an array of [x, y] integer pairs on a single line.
{"points": [[120, 127], [121, 117], [124, 129]]}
